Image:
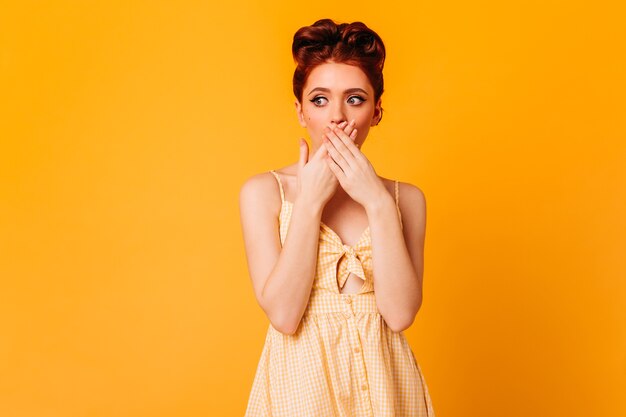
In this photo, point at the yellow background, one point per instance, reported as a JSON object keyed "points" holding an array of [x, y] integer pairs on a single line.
{"points": [[127, 129]]}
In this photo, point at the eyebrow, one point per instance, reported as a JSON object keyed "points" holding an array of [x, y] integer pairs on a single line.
{"points": [[349, 90]]}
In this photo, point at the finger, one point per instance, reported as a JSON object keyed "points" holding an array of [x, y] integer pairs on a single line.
{"points": [[335, 154], [318, 154], [322, 151], [304, 153], [346, 141], [348, 127], [343, 125], [352, 132], [352, 136], [336, 169], [342, 150]]}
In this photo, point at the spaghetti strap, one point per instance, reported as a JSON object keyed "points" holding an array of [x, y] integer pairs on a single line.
{"points": [[280, 186], [397, 196], [397, 203]]}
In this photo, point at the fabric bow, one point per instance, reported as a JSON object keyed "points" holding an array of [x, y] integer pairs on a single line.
{"points": [[349, 262]]}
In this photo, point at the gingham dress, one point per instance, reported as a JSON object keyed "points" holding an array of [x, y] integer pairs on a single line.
{"points": [[343, 360]]}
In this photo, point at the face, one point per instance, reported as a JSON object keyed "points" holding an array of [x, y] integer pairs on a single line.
{"points": [[334, 93]]}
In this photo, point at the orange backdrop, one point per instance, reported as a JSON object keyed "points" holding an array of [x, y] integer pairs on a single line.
{"points": [[127, 129]]}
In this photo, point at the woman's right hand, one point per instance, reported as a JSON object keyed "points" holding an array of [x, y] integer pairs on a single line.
{"points": [[316, 181]]}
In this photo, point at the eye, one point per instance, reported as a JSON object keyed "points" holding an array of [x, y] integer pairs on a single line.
{"points": [[315, 100], [361, 99]]}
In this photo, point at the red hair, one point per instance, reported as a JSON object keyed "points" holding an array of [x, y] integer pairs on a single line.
{"points": [[347, 43]]}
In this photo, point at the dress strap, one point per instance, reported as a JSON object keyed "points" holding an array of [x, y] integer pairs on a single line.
{"points": [[397, 202], [397, 196], [280, 186]]}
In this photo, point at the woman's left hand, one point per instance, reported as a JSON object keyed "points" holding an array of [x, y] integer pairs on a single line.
{"points": [[353, 170]]}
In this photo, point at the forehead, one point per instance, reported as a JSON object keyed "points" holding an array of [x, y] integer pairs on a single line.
{"points": [[337, 76]]}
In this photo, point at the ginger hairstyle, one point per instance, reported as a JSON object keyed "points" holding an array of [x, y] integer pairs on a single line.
{"points": [[348, 43]]}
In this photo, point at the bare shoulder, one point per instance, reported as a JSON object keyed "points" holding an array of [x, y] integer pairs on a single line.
{"points": [[411, 196], [412, 204], [259, 192]]}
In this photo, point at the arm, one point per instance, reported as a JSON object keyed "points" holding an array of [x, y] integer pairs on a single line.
{"points": [[397, 256], [282, 279]]}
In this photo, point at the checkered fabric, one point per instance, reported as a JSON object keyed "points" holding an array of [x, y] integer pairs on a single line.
{"points": [[343, 360]]}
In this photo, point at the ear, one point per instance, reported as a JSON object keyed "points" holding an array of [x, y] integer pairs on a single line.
{"points": [[378, 113], [300, 114]]}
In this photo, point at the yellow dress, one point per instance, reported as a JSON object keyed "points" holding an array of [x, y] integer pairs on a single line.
{"points": [[343, 360]]}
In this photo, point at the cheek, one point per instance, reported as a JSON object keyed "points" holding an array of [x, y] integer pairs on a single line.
{"points": [[362, 125], [314, 122]]}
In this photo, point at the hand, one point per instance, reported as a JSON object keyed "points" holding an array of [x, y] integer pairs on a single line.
{"points": [[316, 182], [351, 167]]}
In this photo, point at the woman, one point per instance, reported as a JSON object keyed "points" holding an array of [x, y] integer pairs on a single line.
{"points": [[335, 345]]}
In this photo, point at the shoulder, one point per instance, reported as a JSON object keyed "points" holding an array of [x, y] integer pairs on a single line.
{"points": [[260, 190], [411, 195], [412, 205]]}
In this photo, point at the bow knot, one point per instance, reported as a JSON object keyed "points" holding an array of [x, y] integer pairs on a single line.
{"points": [[349, 264]]}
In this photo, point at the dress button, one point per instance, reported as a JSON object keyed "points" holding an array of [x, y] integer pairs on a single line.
{"points": [[348, 300], [357, 350], [364, 387]]}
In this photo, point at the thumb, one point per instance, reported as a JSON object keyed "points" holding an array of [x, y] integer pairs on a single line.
{"points": [[304, 153]]}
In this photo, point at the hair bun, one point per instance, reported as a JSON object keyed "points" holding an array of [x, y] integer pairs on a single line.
{"points": [[322, 35], [325, 35], [362, 38]]}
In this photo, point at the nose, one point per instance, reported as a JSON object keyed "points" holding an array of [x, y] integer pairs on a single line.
{"points": [[338, 113]]}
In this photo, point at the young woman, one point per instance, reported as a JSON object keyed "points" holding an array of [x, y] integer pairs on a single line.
{"points": [[334, 254]]}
